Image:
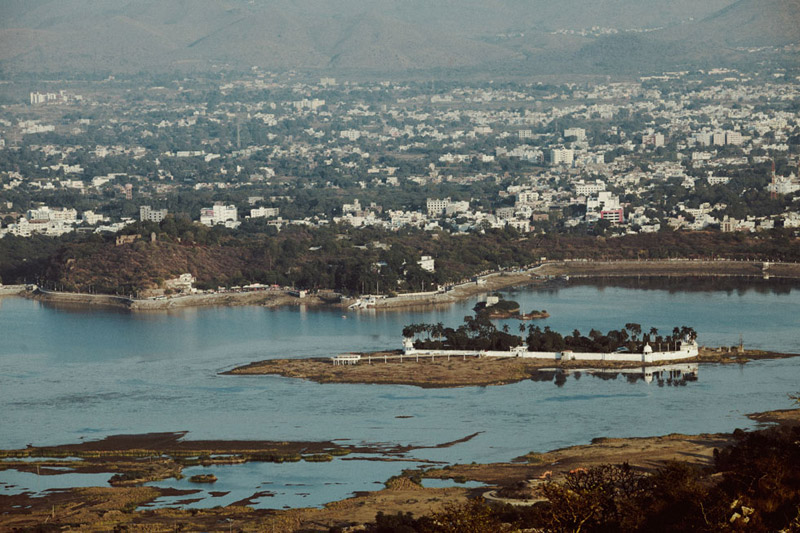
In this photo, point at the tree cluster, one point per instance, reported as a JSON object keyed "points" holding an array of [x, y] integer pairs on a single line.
{"points": [[479, 333]]}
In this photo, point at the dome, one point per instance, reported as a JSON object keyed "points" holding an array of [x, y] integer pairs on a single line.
{"points": [[647, 349]]}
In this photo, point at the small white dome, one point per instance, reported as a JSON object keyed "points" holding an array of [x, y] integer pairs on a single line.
{"points": [[648, 349]]}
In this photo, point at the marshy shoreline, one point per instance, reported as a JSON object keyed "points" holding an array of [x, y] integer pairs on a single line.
{"points": [[121, 504]]}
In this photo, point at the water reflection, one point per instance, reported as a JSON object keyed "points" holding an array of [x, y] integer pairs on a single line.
{"points": [[740, 285], [676, 375]]}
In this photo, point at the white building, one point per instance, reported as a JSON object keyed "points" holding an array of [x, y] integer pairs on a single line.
{"points": [[350, 135], [655, 139], [51, 228], [426, 263], [436, 207], [47, 213], [784, 185], [703, 138], [559, 156], [182, 283], [44, 98], [147, 214], [733, 137], [604, 206], [219, 214], [264, 212], [456, 207], [353, 208], [717, 180], [526, 198], [305, 103], [585, 188], [578, 133], [92, 218]]}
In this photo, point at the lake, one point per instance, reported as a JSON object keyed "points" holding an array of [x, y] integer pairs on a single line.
{"points": [[71, 374]]}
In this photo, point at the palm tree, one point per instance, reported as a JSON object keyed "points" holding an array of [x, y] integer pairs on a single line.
{"points": [[438, 331]]}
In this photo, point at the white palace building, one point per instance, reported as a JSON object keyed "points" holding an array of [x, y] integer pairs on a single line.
{"points": [[686, 350]]}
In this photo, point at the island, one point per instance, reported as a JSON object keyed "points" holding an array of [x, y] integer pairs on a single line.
{"points": [[495, 306], [477, 353]]}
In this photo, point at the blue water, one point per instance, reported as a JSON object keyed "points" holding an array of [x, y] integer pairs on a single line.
{"points": [[15, 482], [279, 485], [73, 375]]}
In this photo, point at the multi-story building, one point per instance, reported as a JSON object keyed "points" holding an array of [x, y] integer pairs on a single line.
{"points": [[147, 214], [456, 207], [733, 137], [92, 218], [218, 214], [655, 139], [717, 180], [703, 138], [264, 212], [526, 198], [353, 208], [578, 133], [583, 188], [561, 156], [47, 213], [604, 206], [615, 216], [436, 207], [350, 135]]}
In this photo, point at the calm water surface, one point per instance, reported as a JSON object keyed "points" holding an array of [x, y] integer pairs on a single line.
{"points": [[69, 375]]}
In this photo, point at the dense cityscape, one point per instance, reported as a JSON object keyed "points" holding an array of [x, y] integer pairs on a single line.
{"points": [[685, 151]]}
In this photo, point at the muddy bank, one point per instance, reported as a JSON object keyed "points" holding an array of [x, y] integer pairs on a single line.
{"points": [[107, 508]]}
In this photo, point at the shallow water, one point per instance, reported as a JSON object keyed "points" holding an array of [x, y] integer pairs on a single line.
{"points": [[280, 485]]}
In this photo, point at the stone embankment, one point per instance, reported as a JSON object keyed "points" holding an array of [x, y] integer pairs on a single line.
{"points": [[669, 267], [487, 282], [266, 298], [70, 298], [12, 290]]}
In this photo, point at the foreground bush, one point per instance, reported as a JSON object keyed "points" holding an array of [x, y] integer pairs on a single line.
{"points": [[754, 486]]}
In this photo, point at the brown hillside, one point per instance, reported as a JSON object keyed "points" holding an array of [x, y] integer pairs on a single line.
{"points": [[108, 268]]}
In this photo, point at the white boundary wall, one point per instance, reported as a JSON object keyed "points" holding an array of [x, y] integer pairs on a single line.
{"points": [[687, 351]]}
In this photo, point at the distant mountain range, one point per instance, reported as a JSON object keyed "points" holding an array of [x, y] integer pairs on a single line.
{"points": [[383, 35]]}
